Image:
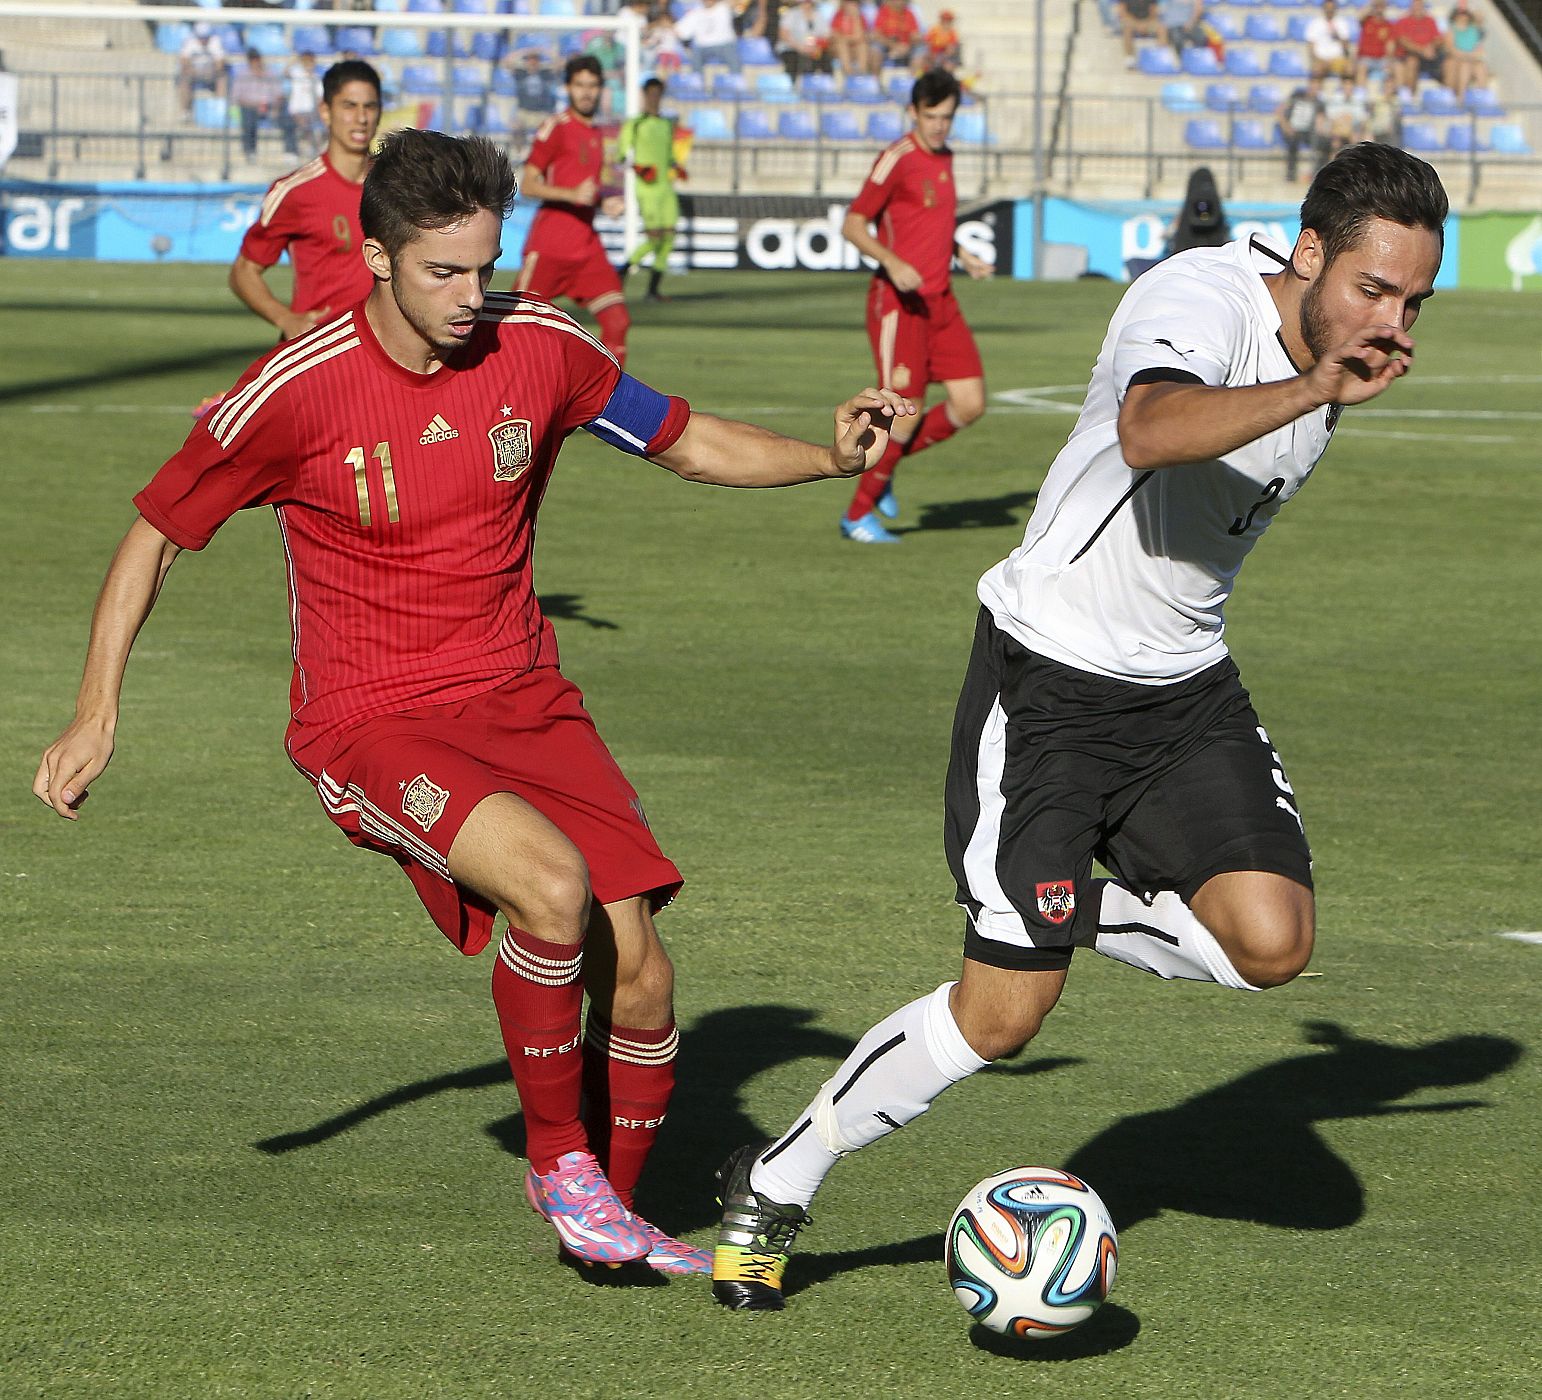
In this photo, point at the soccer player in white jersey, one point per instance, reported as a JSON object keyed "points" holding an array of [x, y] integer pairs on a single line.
{"points": [[1101, 716]]}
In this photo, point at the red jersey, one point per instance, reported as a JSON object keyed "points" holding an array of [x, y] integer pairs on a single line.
{"points": [[1417, 29], [406, 502], [567, 151], [909, 194], [896, 24], [1375, 36], [313, 213]]}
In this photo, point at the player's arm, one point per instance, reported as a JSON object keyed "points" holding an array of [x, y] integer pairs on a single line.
{"points": [[977, 268], [855, 230], [1166, 423], [77, 757], [533, 184], [250, 286]]}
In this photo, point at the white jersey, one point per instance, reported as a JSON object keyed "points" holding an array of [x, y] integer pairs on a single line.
{"points": [[1124, 573]]}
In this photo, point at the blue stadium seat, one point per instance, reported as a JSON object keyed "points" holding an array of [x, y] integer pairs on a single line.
{"points": [[1158, 62], [1253, 135], [1287, 63], [1222, 97], [729, 87], [312, 38], [571, 43], [711, 124], [885, 126], [556, 7], [230, 39], [1439, 102], [210, 111], [1484, 102], [969, 127], [897, 89], [497, 118], [1263, 28], [1296, 29], [1224, 25], [402, 43], [1204, 134], [687, 85], [470, 79], [487, 44], [1181, 97], [839, 124], [755, 125], [1201, 63], [425, 7], [270, 40], [355, 38], [1244, 63], [1509, 139], [797, 125], [863, 87], [422, 79], [820, 86], [1242, 4], [1265, 99], [755, 49], [1420, 136], [774, 87], [503, 82], [1462, 137], [473, 7], [169, 37], [438, 44]]}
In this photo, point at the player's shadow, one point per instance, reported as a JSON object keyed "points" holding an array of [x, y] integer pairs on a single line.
{"points": [[1248, 1150], [986, 513], [1110, 1328], [569, 607], [218, 367]]}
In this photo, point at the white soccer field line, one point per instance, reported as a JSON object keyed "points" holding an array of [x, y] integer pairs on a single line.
{"points": [[1533, 938]]}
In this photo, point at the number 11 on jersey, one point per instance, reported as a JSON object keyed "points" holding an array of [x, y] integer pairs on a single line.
{"points": [[356, 460]]}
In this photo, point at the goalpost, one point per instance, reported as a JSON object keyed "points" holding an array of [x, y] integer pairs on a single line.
{"points": [[103, 78]]}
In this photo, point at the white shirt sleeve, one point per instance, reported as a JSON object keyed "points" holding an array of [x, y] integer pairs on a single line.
{"points": [[1181, 324]]}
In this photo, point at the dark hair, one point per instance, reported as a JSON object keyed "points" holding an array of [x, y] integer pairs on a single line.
{"points": [[1372, 181], [935, 87], [427, 180], [654, 83], [582, 63], [350, 70]]}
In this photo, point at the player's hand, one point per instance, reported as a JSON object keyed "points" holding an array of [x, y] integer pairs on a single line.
{"points": [[297, 323], [613, 206], [587, 192], [1362, 366], [647, 173], [679, 172], [977, 268], [904, 277], [71, 764], [862, 428]]}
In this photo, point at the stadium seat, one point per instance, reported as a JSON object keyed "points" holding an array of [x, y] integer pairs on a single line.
{"points": [[402, 43], [1224, 25], [1158, 62], [885, 126], [756, 49], [439, 44], [570, 43], [1254, 135], [1287, 63], [1265, 99], [797, 125], [862, 87], [731, 87], [355, 38], [1509, 139], [1244, 63], [1245, 4], [969, 127], [211, 111], [313, 38], [557, 7], [487, 44], [425, 7], [1295, 29], [498, 118], [270, 40], [1201, 63], [470, 80], [503, 82], [1484, 102], [755, 125], [1463, 137], [1439, 102], [1263, 28], [1222, 97], [774, 87], [422, 80], [1420, 136], [1181, 97], [473, 7], [820, 87], [842, 125], [169, 37], [687, 85], [1204, 134], [711, 124], [230, 39]]}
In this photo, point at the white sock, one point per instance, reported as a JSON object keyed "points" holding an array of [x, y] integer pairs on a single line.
{"points": [[893, 1075], [1162, 937]]}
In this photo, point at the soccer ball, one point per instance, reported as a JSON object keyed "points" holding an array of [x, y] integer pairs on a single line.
{"points": [[1031, 1252]]}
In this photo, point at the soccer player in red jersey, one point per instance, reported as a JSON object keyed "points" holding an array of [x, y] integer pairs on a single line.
{"points": [[918, 333], [313, 213], [564, 170], [404, 447]]}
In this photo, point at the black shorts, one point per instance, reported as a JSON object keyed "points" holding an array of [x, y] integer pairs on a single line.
{"points": [[1166, 785]]}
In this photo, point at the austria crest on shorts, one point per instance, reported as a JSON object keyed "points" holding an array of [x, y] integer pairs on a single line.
{"points": [[1056, 899], [511, 448], [424, 800]]}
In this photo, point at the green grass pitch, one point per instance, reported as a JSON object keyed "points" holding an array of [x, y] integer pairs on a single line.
{"points": [[255, 1132]]}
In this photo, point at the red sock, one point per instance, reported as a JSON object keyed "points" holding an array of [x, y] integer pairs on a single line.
{"points": [[537, 994], [935, 427], [614, 324], [628, 1078]]}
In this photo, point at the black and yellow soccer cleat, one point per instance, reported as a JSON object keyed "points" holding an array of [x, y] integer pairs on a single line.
{"points": [[754, 1239]]}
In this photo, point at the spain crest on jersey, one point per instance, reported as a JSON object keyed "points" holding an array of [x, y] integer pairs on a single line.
{"points": [[511, 448], [1056, 900], [423, 800]]}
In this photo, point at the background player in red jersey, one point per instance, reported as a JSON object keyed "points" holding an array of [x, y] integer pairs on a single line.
{"points": [[313, 213], [564, 170], [918, 333], [405, 448]]}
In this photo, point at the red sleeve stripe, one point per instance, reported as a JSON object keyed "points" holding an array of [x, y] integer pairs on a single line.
{"points": [[889, 159], [531, 318], [286, 186], [328, 334]]}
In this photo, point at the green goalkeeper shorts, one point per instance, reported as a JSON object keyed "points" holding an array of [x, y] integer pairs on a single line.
{"points": [[658, 204]]}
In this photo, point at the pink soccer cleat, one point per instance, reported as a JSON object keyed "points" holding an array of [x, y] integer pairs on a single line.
{"points": [[667, 1255], [586, 1213]]}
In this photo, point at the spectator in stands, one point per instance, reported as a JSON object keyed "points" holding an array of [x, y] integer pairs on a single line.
{"points": [[200, 66], [1376, 49], [301, 113], [1421, 46], [708, 32], [943, 49], [1384, 112], [535, 85], [1184, 23], [802, 39], [896, 35], [1344, 115], [1330, 43], [258, 92], [1465, 67], [1138, 17], [1303, 127], [849, 46], [662, 50]]}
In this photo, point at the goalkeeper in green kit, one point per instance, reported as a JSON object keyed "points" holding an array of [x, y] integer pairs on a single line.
{"points": [[648, 142]]}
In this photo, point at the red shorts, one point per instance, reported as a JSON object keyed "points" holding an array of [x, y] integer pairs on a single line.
{"points": [[404, 783], [919, 340], [576, 268]]}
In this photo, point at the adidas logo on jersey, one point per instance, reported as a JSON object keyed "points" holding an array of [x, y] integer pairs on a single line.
{"points": [[437, 431]]}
